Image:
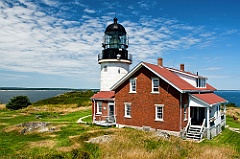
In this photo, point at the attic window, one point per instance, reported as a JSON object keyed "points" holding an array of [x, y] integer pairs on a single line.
{"points": [[155, 85], [201, 82], [133, 85]]}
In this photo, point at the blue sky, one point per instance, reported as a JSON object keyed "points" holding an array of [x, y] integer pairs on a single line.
{"points": [[55, 43]]}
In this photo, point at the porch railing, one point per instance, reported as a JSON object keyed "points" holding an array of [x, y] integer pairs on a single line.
{"points": [[105, 119]]}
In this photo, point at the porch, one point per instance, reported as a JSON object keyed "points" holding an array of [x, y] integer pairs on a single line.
{"points": [[205, 122], [106, 121]]}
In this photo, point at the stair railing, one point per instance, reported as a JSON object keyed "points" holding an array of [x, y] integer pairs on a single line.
{"points": [[188, 124], [203, 125]]}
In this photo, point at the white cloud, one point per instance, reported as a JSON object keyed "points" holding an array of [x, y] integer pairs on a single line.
{"points": [[31, 40], [212, 69], [89, 10]]}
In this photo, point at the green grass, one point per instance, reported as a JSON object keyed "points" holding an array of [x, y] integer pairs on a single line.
{"points": [[227, 137], [82, 98], [12, 142], [87, 119], [232, 123], [72, 136]]}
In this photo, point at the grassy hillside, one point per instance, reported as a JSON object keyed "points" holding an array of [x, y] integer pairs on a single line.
{"points": [[81, 98], [68, 139]]}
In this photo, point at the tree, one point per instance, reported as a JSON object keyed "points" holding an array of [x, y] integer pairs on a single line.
{"points": [[18, 102]]}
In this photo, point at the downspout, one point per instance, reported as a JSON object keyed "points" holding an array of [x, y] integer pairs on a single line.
{"points": [[180, 111], [115, 116], [94, 105]]}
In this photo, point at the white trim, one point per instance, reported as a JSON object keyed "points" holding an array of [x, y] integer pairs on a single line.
{"points": [[155, 78], [122, 80], [125, 110], [111, 103], [186, 74], [99, 112], [156, 112], [185, 117], [131, 86], [163, 78], [137, 67]]}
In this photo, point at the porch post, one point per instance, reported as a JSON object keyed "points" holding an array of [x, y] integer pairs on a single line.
{"points": [[208, 124], [225, 120]]}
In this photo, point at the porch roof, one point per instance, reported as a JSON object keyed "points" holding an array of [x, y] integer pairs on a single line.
{"points": [[104, 95], [209, 98]]}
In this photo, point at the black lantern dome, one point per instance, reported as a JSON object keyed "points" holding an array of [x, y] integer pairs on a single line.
{"points": [[115, 27], [115, 43]]}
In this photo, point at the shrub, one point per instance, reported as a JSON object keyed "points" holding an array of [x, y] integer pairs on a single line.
{"points": [[231, 105], [18, 102]]}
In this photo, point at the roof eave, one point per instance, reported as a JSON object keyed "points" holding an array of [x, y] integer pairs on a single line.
{"points": [[181, 91], [108, 99], [122, 80]]}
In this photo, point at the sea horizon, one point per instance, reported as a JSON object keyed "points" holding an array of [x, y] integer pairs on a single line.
{"points": [[39, 93]]}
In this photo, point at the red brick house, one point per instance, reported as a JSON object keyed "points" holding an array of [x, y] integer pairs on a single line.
{"points": [[161, 98], [152, 96]]}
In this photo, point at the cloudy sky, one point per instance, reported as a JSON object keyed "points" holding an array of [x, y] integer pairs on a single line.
{"points": [[55, 43]]}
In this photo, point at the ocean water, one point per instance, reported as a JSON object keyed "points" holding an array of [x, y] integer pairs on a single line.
{"points": [[232, 96], [33, 95]]}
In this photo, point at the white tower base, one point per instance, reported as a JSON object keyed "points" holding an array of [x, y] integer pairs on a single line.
{"points": [[111, 72]]}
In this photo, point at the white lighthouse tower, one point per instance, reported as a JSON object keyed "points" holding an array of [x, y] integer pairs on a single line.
{"points": [[114, 59]]}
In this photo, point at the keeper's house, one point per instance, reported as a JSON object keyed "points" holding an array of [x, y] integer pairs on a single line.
{"points": [[152, 96]]}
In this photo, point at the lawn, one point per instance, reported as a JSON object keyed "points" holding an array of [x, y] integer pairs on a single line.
{"points": [[232, 123], [68, 138], [12, 143]]}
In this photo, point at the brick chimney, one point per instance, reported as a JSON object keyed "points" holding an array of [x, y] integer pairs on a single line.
{"points": [[182, 67], [160, 61]]}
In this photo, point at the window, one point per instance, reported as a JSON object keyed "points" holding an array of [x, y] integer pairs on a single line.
{"points": [[133, 85], [201, 82], [99, 107], [155, 85], [185, 112], [127, 110], [159, 112], [105, 68]]}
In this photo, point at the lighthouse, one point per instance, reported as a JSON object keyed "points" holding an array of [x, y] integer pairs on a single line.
{"points": [[114, 59]]}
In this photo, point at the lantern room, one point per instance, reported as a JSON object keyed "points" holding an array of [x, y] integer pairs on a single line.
{"points": [[115, 44]]}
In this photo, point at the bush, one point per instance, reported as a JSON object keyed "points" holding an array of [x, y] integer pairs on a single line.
{"points": [[18, 102], [231, 104]]}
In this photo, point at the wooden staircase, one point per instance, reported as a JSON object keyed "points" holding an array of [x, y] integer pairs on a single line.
{"points": [[195, 132]]}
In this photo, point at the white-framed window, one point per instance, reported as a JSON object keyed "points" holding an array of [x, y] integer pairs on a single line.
{"points": [[105, 68], [185, 112], [133, 85], [99, 107], [201, 82], [159, 112], [127, 110], [155, 85]]}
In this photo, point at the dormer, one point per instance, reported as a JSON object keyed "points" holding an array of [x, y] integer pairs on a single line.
{"points": [[193, 79]]}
